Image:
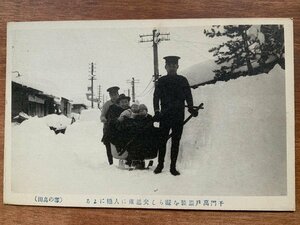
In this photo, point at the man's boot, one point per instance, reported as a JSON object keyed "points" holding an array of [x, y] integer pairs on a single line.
{"points": [[108, 153], [173, 170], [159, 168], [174, 154], [161, 159]]}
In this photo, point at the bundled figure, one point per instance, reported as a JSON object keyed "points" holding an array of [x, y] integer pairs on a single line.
{"points": [[133, 132], [143, 142], [132, 112], [113, 134]]}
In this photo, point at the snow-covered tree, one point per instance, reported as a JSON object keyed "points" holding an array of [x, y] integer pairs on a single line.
{"points": [[249, 50], [272, 49], [234, 53]]}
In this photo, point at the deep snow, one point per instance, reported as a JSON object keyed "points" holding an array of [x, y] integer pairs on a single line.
{"points": [[201, 72], [235, 147]]}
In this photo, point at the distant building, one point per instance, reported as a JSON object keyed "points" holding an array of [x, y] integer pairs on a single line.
{"points": [[35, 102], [31, 101], [65, 106]]}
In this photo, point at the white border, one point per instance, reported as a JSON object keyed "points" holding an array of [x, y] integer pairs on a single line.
{"points": [[265, 203]]}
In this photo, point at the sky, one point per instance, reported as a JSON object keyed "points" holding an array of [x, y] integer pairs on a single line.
{"points": [[58, 60]]}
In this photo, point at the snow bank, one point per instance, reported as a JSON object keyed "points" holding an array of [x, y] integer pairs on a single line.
{"points": [[90, 115], [237, 145], [200, 72], [47, 163], [57, 121], [33, 126]]}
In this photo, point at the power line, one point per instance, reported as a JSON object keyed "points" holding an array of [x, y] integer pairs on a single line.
{"points": [[145, 87], [179, 39], [148, 92]]}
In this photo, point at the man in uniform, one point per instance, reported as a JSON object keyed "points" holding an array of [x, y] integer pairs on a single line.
{"points": [[171, 91], [114, 95]]}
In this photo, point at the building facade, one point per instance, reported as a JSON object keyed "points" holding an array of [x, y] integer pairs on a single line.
{"points": [[34, 102]]}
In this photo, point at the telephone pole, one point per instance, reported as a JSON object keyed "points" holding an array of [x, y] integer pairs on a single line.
{"points": [[92, 78], [103, 100], [133, 89], [156, 37], [132, 82], [99, 95]]}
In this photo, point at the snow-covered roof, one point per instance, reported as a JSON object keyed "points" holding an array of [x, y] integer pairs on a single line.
{"points": [[47, 87]]}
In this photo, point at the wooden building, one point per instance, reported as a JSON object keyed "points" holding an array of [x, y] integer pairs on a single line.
{"points": [[35, 102], [65, 106]]}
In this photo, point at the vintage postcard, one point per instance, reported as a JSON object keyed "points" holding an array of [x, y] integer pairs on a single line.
{"points": [[194, 114]]}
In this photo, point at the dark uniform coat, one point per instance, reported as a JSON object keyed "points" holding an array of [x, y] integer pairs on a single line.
{"points": [[171, 91]]}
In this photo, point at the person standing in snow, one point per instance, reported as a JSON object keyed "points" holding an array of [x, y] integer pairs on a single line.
{"points": [[114, 95], [171, 91]]}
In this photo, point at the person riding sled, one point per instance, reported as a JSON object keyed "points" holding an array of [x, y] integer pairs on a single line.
{"points": [[113, 135], [131, 130]]}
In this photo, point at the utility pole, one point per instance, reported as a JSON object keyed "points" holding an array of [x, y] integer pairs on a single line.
{"points": [[156, 37], [133, 91], [99, 92], [92, 78], [99, 95], [132, 82], [103, 100]]}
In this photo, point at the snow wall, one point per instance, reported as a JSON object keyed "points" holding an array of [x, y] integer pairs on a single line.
{"points": [[239, 138]]}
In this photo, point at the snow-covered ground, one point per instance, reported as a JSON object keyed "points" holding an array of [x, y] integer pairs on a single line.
{"points": [[236, 146]]}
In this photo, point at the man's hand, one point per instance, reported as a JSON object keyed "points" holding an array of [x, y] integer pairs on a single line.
{"points": [[156, 116], [193, 111], [103, 119]]}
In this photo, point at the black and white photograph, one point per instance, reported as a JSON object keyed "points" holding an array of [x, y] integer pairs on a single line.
{"points": [[168, 114]]}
